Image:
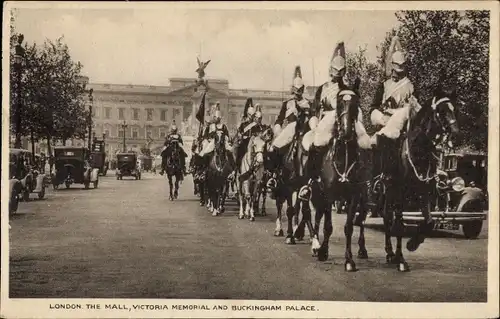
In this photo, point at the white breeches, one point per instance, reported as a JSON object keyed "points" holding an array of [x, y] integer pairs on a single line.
{"points": [[209, 145], [285, 137], [395, 123], [323, 133]]}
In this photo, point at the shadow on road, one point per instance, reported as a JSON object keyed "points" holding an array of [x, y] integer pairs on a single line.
{"points": [[411, 231]]}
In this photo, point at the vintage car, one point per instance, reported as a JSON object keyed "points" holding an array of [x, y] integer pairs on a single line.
{"points": [[461, 197], [72, 165], [126, 165], [98, 156], [25, 169]]}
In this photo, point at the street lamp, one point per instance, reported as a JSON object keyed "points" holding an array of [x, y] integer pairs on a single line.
{"points": [[18, 65], [91, 99], [124, 126]]}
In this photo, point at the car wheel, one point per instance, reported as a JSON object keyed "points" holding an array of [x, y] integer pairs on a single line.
{"points": [[26, 195], [472, 229], [41, 195], [13, 204]]}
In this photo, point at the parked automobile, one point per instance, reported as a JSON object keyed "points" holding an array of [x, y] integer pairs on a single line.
{"points": [[127, 165], [25, 169], [72, 166]]}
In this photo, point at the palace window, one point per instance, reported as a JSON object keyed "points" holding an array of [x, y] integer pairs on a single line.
{"points": [[106, 132], [162, 134], [149, 134], [107, 112], [136, 114], [163, 115], [120, 133], [121, 114], [149, 114], [135, 133], [177, 113]]}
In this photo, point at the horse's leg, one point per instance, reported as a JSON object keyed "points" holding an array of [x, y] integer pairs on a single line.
{"points": [[290, 214], [296, 211], [263, 195], [176, 191], [318, 203], [426, 226], [349, 264], [222, 204], [362, 252], [327, 232], [170, 186], [278, 232], [241, 199]]}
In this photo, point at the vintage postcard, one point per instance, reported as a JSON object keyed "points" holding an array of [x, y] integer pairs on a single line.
{"points": [[250, 160]]}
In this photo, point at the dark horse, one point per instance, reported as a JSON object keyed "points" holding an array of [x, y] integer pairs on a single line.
{"points": [[290, 179], [218, 172], [171, 164], [407, 169], [340, 179]]}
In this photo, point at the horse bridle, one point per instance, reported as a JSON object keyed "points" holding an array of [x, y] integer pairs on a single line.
{"points": [[343, 177], [445, 127]]}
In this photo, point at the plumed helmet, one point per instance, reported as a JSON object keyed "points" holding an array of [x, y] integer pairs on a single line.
{"points": [[337, 63], [249, 110], [173, 127], [298, 84], [217, 112], [258, 111], [397, 57]]}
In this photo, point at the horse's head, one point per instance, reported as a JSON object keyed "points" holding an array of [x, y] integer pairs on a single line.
{"points": [[267, 134], [445, 113], [257, 147], [348, 103]]}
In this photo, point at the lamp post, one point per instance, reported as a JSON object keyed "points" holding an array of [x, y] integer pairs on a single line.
{"points": [[124, 126], [91, 100], [18, 65]]}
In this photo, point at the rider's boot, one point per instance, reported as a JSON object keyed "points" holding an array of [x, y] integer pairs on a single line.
{"points": [[232, 164], [314, 167]]}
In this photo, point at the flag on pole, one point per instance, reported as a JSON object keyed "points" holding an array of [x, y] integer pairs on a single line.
{"points": [[200, 114]]}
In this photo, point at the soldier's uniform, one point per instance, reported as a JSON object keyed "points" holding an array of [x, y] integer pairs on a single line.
{"points": [[395, 98], [290, 112], [211, 131], [175, 137], [325, 105]]}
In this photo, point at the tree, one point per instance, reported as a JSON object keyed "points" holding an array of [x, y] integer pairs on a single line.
{"points": [[450, 48], [53, 99], [369, 73]]}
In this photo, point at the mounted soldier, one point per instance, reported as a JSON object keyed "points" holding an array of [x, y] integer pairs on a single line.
{"points": [[395, 98], [290, 112], [215, 127], [325, 103], [175, 137], [249, 126]]}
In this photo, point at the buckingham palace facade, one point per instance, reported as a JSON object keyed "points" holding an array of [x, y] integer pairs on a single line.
{"points": [[145, 113]]}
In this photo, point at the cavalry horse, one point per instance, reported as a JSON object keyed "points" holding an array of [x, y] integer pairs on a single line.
{"points": [[199, 175], [290, 178], [251, 173], [407, 171], [171, 165], [340, 179], [219, 170]]}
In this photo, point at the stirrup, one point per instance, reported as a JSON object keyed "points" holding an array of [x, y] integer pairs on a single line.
{"points": [[305, 193]]}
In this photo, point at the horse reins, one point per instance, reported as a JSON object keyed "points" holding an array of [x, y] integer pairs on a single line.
{"points": [[442, 139]]}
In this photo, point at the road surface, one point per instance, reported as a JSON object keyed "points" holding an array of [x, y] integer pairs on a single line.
{"points": [[127, 240]]}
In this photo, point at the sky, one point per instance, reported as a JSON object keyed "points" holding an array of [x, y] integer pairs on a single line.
{"points": [[252, 49]]}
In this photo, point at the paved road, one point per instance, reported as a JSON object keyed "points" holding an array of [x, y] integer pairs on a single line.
{"points": [[126, 240]]}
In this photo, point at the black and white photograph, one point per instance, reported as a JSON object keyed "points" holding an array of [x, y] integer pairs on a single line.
{"points": [[259, 159]]}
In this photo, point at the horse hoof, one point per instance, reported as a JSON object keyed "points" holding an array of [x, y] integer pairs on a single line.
{"points": [[201, 204], [390, 258], [363, 254], [290, 241], [215, 213], [279, 233], [322, 254], [171, 198], [263, 213], [314, 252], [414, 243], [252, 219], [350, 266], [222, 210], [403, 267], [300, 238], [241, 217]]}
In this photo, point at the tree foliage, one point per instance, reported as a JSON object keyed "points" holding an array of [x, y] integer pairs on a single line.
{"points": [[451, 48], [53, 102]]}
